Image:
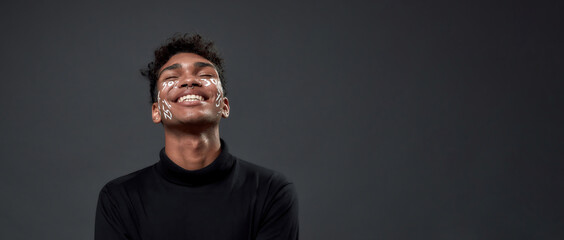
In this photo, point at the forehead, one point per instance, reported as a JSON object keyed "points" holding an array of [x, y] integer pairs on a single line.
{"points": [[185, 60]]}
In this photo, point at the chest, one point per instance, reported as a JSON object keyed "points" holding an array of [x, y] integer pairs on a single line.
{"points": [[203, 213]]}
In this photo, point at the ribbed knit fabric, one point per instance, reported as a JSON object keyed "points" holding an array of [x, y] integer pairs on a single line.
{"points": [[228, 199]]}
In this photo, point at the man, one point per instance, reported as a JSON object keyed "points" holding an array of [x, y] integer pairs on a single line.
{"points": [[197, 190]]}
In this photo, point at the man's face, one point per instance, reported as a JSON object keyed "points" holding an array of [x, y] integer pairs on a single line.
{"points": [[189, 92]]}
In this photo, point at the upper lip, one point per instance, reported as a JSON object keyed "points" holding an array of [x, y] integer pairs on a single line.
{"points": [[190, 92]]}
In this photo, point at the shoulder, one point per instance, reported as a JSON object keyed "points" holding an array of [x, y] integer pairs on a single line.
{"points": [[127, 182], [262, 174], [267, 182]]}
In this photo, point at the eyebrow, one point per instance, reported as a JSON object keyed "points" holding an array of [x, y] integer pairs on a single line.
{"points": [[203, 64], [176, 66], [171, 67]]}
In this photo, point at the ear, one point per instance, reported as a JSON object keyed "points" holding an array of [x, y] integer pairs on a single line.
{"points": [[225, 108], [156, 114]]}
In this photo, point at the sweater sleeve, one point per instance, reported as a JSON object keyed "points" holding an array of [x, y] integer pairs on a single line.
{"points": [[108, 224], [281, 220]]}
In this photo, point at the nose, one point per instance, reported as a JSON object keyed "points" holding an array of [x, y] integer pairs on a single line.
{"points": [[191, 82]]}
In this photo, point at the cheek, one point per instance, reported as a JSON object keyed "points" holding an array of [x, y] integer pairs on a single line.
{"points": [[217, 84], [218, 100], [163, 105], [205, 81], [166, 86], [219, 91]]}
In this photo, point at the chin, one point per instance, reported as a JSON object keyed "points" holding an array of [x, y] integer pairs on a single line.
{"points": [[198, 120]]}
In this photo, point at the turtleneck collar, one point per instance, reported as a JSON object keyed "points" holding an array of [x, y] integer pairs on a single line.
{"points": [[216, 170]]}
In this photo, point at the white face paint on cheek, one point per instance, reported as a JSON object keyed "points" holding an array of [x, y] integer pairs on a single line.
{"points": [[166, 103], [206, 82], [219, 92], [217, 99], [163, 104]]}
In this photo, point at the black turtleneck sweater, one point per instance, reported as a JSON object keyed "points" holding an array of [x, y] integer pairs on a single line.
{"points": [[228, 199]]}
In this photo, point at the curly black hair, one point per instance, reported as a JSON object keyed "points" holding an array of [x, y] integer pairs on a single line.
{"points": [[182, 43]]}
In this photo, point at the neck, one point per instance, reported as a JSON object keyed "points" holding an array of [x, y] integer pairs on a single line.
{"points": [[192, 150]]}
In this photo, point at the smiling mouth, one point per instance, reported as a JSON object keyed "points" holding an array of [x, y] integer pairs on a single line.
{"points": [[190, 98]]}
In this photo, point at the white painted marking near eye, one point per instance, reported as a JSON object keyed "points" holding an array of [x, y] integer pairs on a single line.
{"points": [[206, 81]]}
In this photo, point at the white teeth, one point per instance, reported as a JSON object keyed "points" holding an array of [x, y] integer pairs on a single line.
{"points": [[191, 98]]}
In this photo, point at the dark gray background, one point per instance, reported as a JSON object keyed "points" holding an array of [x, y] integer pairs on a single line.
{"points": [[395, 119]]}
